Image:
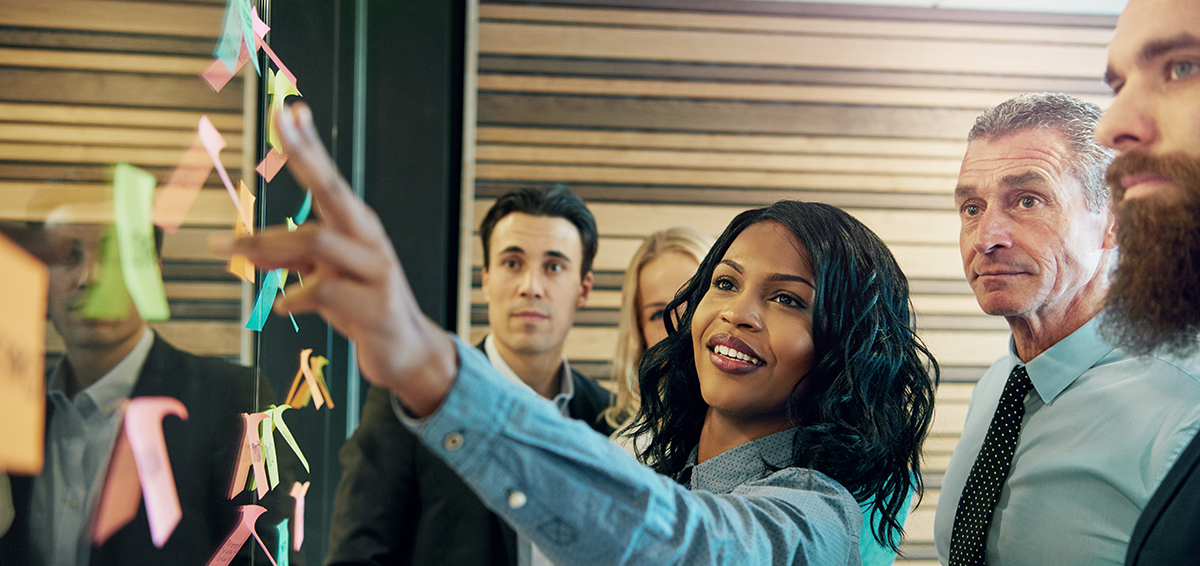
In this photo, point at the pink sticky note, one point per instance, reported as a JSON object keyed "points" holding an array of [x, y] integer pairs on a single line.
{"points": [[311, 379], [122, 493], [143, 427], [282, 68], [260, 27], [214, 143], [249, 453], [247, 515], [182, 187], [298, 492], [217, 75], [271, 164]]}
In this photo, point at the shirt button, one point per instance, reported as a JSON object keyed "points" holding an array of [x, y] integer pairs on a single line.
{"points": [[453, 441], [516, 499]]}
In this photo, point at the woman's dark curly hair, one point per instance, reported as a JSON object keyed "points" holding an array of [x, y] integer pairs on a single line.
{"points": [[875, 377]]}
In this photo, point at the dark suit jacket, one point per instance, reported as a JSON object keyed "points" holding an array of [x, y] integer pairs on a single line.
{"points": [[1168, 531], [399, 504], [202, 452]]}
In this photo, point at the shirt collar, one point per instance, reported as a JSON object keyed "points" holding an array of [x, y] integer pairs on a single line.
{"points": [[566, 385], [115, 386], [741, 464], [1057, 368]]}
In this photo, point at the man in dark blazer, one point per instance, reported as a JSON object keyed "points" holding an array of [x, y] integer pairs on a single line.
{"points": [[105, 362], [397, 503], [1154, 124]]}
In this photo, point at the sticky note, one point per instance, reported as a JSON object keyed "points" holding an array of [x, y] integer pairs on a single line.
{"points": [[108, 298], [278, 89], [133, 190], [264, 302], [231, 37], [283, 277], [22, 355], [310, 378], [277, 415], [282, 68], [182, 187], [122, 492], [267, 441], [298, 492], [247, 515], [260, 27], [271, 164], [305, 208], [213, 144], [143, 428], [247, 17], [281, 546], [238, 264], [318, 363], [249, 454]]}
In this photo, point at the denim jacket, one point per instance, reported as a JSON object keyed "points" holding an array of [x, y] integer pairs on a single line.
{"points": [[583, 500]]}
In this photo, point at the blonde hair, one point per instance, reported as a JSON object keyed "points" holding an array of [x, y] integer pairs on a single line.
{"points": [[630, 347]]}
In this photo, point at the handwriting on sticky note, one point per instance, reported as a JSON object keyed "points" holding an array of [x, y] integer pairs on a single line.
{"points": [[133, 190], [249, 455], [143, 427], [22, 355], [107, 298], [298, 492], [182, 187], [122, 492], [247, 515], [267, 441]]}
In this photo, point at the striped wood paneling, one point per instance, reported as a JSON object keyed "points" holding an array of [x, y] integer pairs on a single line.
{"points": [[88, 83], [661, 118]]}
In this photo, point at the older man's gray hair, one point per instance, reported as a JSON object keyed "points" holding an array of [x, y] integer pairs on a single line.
{"points": [[1075, 119]]}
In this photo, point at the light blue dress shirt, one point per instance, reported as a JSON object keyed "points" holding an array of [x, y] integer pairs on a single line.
{"points": [[583, 500], [1100, 431]]}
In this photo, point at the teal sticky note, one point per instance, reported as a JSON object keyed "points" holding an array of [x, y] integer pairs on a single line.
{"points": [[304, 209], [281, 551], [266, 298], [107, 298], [230, 45], [133, 195], [247, 23]]}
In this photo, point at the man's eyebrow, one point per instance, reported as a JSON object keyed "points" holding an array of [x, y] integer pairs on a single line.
{"points": [[558, 255], [963, 191], [1029, 178], [512, 250], [1157, 48]]}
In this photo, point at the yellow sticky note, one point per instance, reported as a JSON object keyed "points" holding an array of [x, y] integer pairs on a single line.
{"points": [[244, 226], [22, 355], [133, 191]]}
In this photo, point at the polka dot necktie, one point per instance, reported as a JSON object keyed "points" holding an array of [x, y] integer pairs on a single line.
{"points": [[968, 540]]}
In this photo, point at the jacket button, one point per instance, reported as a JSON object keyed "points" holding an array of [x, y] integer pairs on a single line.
{"points": [[454, 441], [516, 499]]}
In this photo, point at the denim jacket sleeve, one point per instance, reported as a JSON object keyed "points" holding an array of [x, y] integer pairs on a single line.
{"points": [[583, 500]]}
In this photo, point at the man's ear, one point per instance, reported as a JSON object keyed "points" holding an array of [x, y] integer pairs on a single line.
{"points": [[1110, 230], [483, 285], [585, 289]]}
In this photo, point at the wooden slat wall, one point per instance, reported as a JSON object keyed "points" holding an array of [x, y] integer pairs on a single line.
{"points": [[85, 84], [661, 118]]}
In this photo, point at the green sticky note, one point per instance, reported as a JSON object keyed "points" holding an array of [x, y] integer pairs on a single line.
{"points": [[133, 194], [107, 298], [267, 444], [277, 416]]}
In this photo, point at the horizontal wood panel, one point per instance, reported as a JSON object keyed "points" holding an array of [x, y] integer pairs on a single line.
{"points": [[938, 98], [227, 123], [132, 89], [699, 177], [141, 156], [950, 56], [109, 136], [501, 109], [821, 26], [115, 16], [114, 62], [725, 161], [93, 202], [203, 338], [822, 145]]}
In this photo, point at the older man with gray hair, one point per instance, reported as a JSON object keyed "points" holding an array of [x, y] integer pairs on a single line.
{"points": [[1066, 436]]}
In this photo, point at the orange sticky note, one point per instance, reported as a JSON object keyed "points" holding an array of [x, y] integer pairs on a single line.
{"points": [[247, 515], [298, 492], [271, 164], [122, 493], [316, 388], [250, 454], [22, 355], [143, 428], [173, 201]]}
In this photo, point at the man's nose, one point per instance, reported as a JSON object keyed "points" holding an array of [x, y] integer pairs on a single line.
{"points": [[993, 231], [532, 284], [1128, 124]]}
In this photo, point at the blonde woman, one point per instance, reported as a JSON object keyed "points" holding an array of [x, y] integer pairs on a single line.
{"points": [[662, 265]]}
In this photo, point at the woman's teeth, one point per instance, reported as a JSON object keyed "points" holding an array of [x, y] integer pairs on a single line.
{"points": [[734, 354]]}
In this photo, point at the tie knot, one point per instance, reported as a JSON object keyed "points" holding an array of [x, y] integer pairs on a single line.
{"points": [[1018, 381]]}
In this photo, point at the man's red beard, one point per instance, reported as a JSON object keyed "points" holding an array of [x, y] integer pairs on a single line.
{"points": [[1154, 301]]}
